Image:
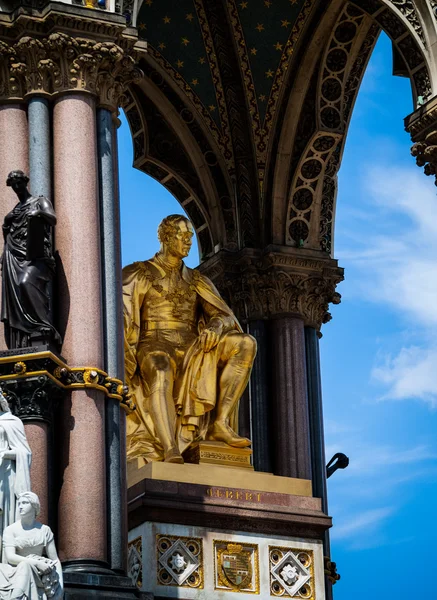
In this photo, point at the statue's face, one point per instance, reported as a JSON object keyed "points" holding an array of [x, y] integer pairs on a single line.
{"points": [[24, 507], [18, 184], [180, 243]]}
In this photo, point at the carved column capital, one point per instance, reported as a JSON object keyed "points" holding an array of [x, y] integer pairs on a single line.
{"points": [[62, 63], [275, 282]]}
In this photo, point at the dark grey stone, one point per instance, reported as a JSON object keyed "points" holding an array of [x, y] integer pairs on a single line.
{"points": [[113, 338]]}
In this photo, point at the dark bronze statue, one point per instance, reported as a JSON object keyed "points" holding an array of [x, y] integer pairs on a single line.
{"points": [[28, 268]]}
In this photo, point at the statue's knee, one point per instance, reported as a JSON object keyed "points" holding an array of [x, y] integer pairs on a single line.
{"points": [[159, 362], [23, 282], [24, 567], [248, 345]]}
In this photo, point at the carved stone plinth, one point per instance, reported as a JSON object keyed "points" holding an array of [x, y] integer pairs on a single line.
{"points": [[188, 515], [27, 381], [218, 453]]}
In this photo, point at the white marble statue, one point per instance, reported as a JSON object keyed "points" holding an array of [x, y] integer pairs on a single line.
{"points": [[15, 459], [28, 575]]}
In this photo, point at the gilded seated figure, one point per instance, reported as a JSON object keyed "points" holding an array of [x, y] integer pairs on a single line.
{"points": [[187, 359]]}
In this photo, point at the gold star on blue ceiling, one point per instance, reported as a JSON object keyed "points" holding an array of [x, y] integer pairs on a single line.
{"points": [[173, 31], [267, 25]]}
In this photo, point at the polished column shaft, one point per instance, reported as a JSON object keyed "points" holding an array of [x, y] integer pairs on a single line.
{"points": [[39, 147], [113, 333], [82, 502], [14, 154], [317, 436], [259, 396], [318, 462], [37, 434], [290, 431]]}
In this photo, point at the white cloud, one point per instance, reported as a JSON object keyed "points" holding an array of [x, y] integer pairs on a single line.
{"points": [[412, 373], [397, 266], [367, 521], [399, 261]]}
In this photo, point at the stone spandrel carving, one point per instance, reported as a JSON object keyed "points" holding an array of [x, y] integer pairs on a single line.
{"points": [[28, 268], [31, 567], [187, 359]]}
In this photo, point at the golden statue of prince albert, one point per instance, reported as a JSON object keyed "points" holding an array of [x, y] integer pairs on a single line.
{"points": [[187, 359]]}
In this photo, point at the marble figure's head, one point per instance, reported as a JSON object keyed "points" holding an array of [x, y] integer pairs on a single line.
{"points": [[4, 406], [28, 498], [175, 233]]}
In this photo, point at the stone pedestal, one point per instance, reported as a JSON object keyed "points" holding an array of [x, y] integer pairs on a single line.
{"points": [[201, 530]]}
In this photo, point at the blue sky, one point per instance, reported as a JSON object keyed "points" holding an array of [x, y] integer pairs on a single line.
{"points": [[379, 353]]}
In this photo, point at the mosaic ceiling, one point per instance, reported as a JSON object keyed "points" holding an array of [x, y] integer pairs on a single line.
{"points": [[265, 31]]}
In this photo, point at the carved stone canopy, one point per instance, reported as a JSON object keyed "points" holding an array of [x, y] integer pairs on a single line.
{"points": [[277, 281]]}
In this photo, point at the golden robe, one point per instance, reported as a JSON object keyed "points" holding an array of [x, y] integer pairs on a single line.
{"points": [[195, 389]]}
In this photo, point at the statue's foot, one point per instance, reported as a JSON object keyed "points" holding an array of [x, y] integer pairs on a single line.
{"points": [[220, 432], [173, 456]]}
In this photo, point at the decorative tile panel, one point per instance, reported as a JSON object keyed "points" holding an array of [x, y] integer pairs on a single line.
{"points": [[291, 573], [135, 561], [179, 561], [236, 567]]}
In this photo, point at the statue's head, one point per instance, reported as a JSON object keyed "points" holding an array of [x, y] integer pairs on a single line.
{"points": [[175, 233], [17, 180], [4, 406], [26, 502]]}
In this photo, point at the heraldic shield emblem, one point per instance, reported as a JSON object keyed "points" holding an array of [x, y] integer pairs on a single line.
{"points": [[236, 567]]}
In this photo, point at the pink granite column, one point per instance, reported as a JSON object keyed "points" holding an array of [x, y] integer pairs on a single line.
{"points": [[14, 154], [291, 432], [82, 502], [37, 435]]}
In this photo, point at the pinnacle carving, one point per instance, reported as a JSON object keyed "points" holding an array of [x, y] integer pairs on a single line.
{"points": [[273, 284], [61, 63]]}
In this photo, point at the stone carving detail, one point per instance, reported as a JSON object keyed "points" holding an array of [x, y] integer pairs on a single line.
{"points": [[291, 573], [331, 570], [425, 153], [408, 9], [236, 567], [261, 286], [307, 188], [32, 398], [135, 561], [403, 38], [60, 62], [314, 185], [336, 67], [180, 561]]}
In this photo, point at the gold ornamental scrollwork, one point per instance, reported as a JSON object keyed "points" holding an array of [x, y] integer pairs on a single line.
{"points": [[69, 378]]}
